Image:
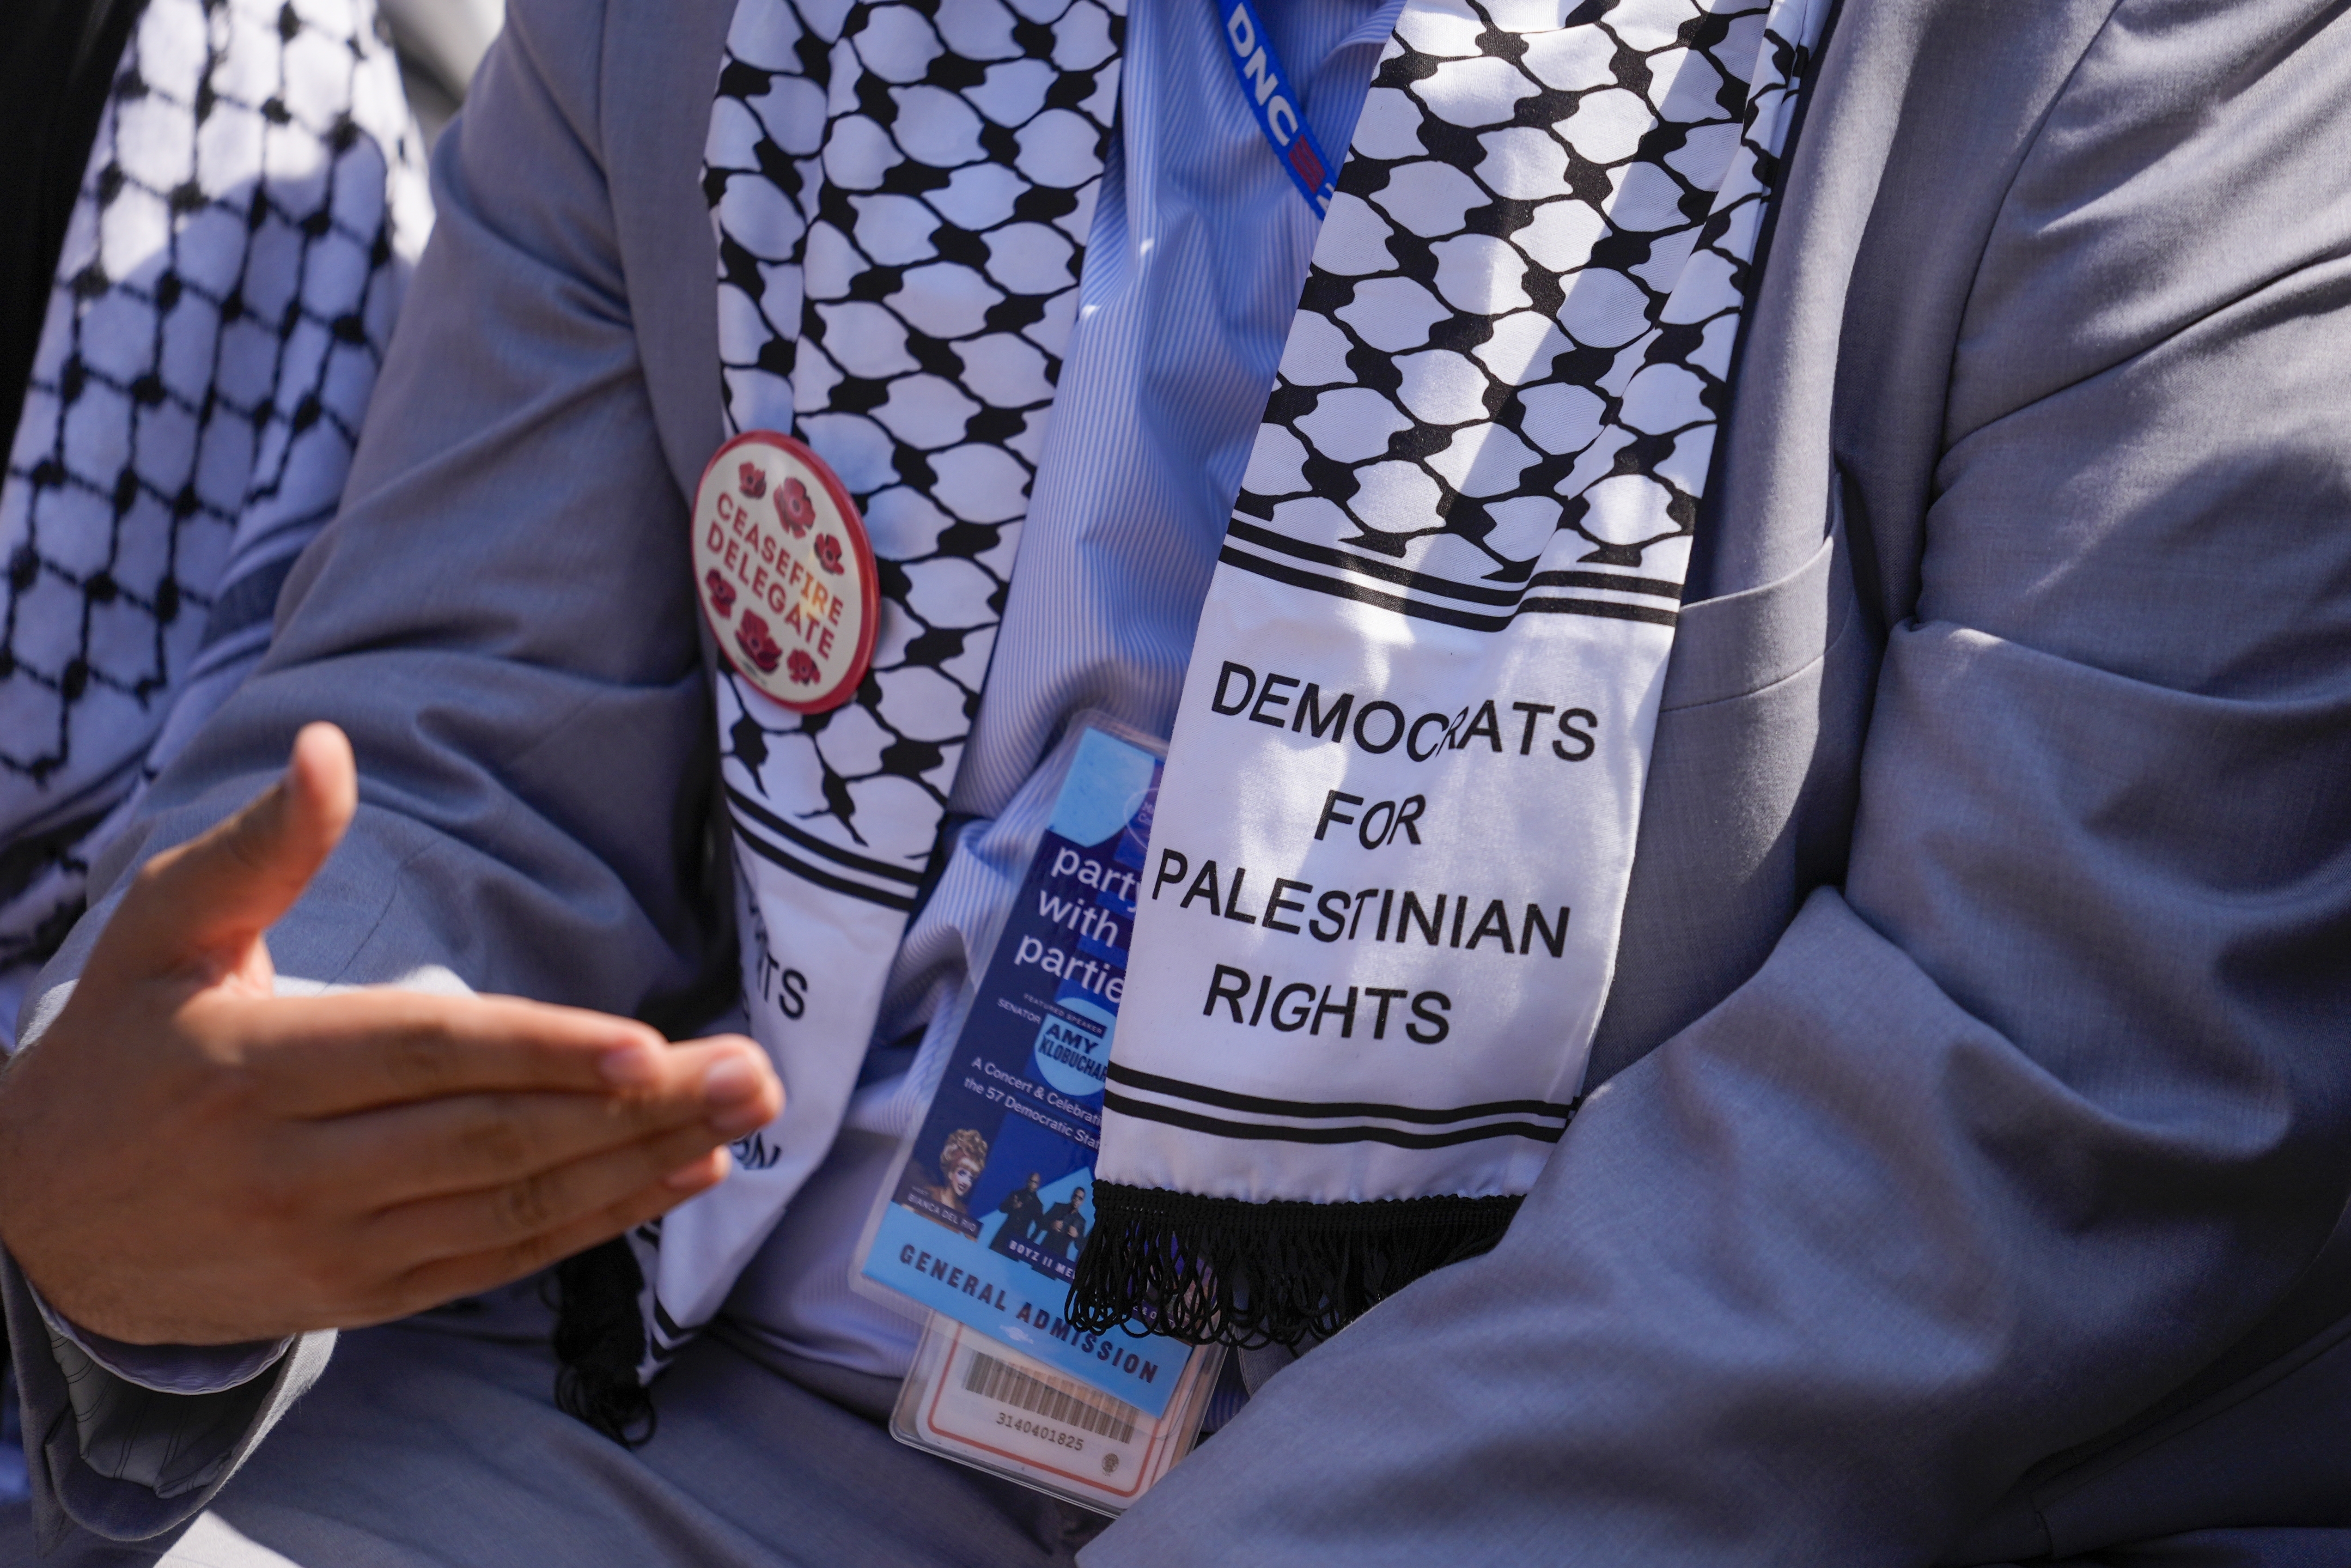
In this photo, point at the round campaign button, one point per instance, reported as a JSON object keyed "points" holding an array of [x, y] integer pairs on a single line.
{"points": [[785, 572]]}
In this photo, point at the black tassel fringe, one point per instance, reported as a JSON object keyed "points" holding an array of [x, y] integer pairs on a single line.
{"points": [[599, 1338], [1211, 1270]]}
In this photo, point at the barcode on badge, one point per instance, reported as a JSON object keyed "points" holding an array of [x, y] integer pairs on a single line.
{"points": [[1055, 1401]]}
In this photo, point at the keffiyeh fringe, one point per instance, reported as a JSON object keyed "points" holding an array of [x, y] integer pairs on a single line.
{"points": [[1220, 1271]]}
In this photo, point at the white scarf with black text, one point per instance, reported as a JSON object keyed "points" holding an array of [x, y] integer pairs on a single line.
{"points": [[1393, 839]]}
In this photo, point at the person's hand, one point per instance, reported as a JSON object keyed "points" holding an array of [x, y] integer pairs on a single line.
{"points": [[186, 1159]]}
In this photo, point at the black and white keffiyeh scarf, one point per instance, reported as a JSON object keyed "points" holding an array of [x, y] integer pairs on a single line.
{"points": [[228, 279], [1398, 815]]}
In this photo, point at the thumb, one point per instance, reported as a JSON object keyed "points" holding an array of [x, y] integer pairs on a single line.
{"points": [[206, 902]]}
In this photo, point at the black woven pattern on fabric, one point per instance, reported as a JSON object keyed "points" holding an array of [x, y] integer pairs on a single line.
{"points": [[902, 199], [1521, 314], [220, 308]]}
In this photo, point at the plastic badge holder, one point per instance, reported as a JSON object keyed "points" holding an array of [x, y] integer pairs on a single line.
{"points": [[980, 1223], [980, 1402]]}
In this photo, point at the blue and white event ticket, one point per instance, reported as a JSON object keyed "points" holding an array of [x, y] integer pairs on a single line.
{"points": [[986, 1217]]}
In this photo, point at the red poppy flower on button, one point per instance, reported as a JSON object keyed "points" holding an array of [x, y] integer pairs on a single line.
{"points": [[793, 506], [797, 566]]}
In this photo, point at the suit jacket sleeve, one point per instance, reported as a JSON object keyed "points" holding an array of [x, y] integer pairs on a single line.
{"points": [[2044, 1106], [124, 1460], [502, 618]]}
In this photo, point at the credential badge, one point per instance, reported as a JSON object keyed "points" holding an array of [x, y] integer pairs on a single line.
{"points": [[785, 572]]}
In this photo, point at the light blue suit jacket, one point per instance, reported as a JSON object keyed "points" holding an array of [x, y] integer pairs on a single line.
{"points": [[1976, 1104]]}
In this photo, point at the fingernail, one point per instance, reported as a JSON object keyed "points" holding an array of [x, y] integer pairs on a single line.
{"points": [[632, 1066], [740, 1119], [730, 1078], [732, 1096]]}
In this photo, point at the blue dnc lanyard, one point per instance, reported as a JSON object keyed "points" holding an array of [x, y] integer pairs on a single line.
{"points": [[1273, 99]]}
